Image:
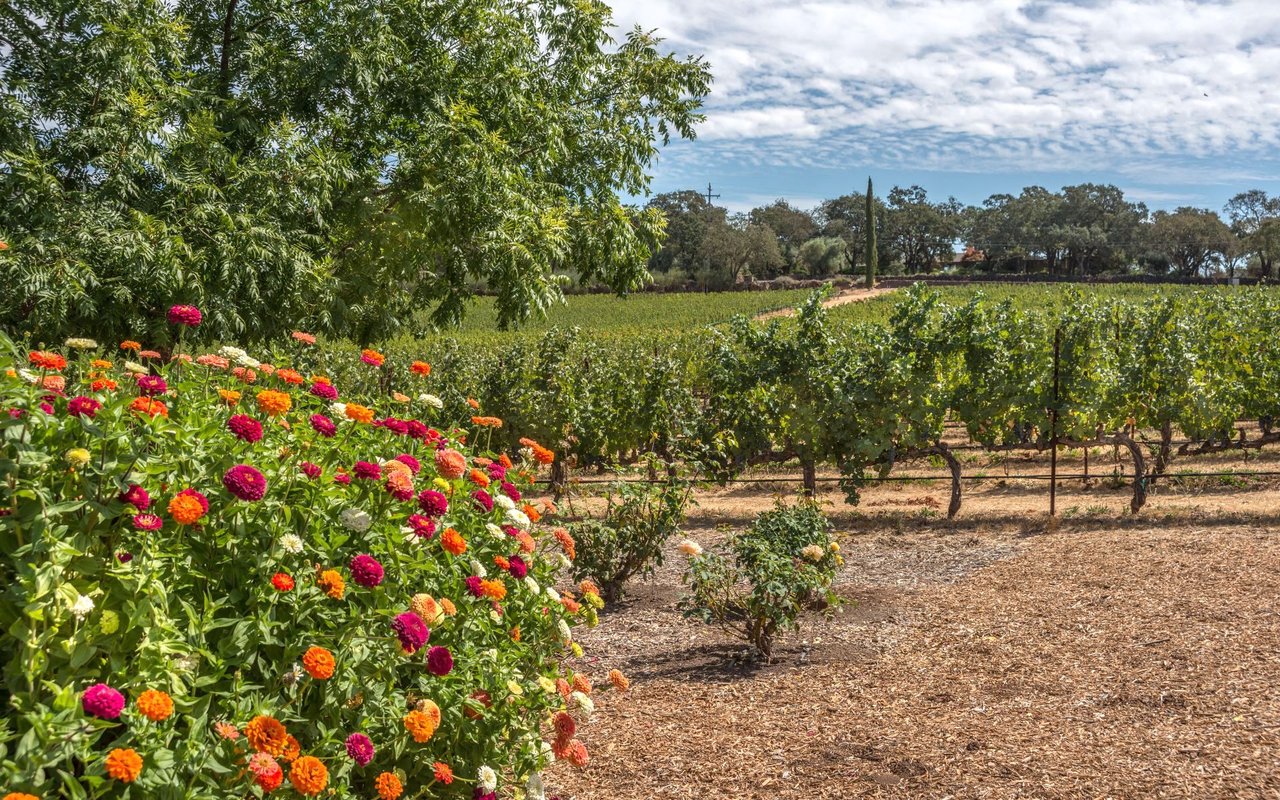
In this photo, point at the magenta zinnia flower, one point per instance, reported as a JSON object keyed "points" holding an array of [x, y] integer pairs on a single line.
{"points": [[360, 748], [151, 385], [496, 471], [397, 426], [439, 661], [432, 503], [409, 461], [423, 527], [103, 702], [368, 471], [323, 425], [510, 490], [517, 567], [473, 586], [411, 630], [245, 482], [324, 391], [245, 427], [483, 500], [136, 496], [309, 469], [185, 315], [147, 522], [81, 406], [418, 430], [366, 571]]}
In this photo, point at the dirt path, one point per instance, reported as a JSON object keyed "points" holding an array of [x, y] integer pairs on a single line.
{"points": [[844, 297], [1106, 657]]}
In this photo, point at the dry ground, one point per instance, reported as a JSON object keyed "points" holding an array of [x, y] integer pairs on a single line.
{"points": [[993, 656], [846, 296]]}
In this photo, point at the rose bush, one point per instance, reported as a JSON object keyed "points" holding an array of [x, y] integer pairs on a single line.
{"points": [[227, 578]]}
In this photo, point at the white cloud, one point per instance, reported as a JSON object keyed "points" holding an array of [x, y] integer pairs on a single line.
{"points": [[973, 84]]}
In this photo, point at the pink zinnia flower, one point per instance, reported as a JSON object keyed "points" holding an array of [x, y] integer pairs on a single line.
{"points": [[367, 471], [360, 748], [185, 315], [517, 567], [409, 461], [366, 571], [81, 406], [324, 391], [147, 522], [510, 490], [483, 500], [474, 587], [151, 385], [245, 428], [323, 425], [309, 469], [417, 430], [136, 496], [432, 503], [496, 471], [423, 527], [439, 661], [101, 701], [245, 482], [397, 426], [411, 630]]}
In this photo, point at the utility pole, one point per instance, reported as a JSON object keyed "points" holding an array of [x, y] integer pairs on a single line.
{"points": [[709, 195]]}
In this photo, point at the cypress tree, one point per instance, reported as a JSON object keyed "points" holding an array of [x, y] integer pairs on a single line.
{"points": [[873, 257]]}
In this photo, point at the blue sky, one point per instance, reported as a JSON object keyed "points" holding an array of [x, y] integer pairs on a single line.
{"points": [[1175, 101]]}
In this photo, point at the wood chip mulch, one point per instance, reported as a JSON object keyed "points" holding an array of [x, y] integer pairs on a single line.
{"points": [[1141, 662]]}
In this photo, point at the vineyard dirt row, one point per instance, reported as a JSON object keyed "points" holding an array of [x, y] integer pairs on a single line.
{"points": [[994, 656]]}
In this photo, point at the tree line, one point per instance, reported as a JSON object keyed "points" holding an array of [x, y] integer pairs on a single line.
{"points": [[1084, 230]]}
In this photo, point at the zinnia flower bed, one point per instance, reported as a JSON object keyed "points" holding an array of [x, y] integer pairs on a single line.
{"points": [[200, 601]]}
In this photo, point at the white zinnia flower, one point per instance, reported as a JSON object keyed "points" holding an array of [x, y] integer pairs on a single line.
{"points": [[565, 633], [356, 520], [339, 409], [565, 563], [553, 594], [478, 569], [691, 548], [494, 529], [533, 790], [135, 367], [583, 705], [518, 518], [240, 357], [185, 663], [291, 543], [82, 607], [487, 779], [431, 400], [505, 502], [293, 676], [531, 584], [28, 376], [76, 343]]}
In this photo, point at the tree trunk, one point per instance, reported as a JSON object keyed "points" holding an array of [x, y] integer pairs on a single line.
{"points": [[810, 477]]}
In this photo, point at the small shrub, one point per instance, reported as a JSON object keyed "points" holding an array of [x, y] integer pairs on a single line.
{"points": [[627, 539], [775, 570]]}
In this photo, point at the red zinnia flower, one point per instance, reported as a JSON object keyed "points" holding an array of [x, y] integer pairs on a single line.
{"points": [[282, 581]]}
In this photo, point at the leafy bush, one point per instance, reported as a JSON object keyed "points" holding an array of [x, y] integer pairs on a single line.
{"points": [[775, 570], [627, 539], [218, 575]]}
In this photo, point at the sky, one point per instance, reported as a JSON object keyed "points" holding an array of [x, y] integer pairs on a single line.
{"points": [[1175, 101]]}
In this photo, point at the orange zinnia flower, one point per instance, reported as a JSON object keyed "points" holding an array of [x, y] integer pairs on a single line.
{"points": [[566, 542], [419, 725], [443, 772], [100, 363], [18, 795], [186, 509], [581, 683], [331, 583], [619, 680], [494, 590], [229, 396], [305, 338], [450, 463], [449, 608], [388, 786], [273, 403], [453, 542], [266, 735], [474, 403], [531, 512], [104, 383], [487, 422], [129, 344], [319, 663], [420, 368], [290, 376], [372, 357], [155, 705], [124, 764], [478, 478], [226, 730], [308, 775], [291, 749], [152, 408], [55, 383], [359, 413]]}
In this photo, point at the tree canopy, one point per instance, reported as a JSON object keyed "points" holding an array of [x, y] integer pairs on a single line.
{"points": [[343, 165]]}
